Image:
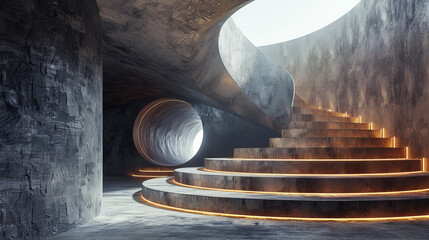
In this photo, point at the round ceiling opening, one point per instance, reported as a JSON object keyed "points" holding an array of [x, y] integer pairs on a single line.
{"points": [[168, 132]]}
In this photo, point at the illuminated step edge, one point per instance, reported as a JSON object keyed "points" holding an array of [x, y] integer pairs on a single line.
{"points": [[313, 166], [327, 125], [315, 111], [354, 133], [153, 172], [315, 153], [149, 176], [143, 170], [321, 118], [330, 142], [298, 207], [298, 183]]}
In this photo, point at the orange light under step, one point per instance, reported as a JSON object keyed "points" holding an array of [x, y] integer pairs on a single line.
{"points": [[147, 176], [311, 174], [303, 194], [282, 218]]}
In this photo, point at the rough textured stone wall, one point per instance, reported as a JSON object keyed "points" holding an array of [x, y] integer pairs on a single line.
{"points": [[263, 80], [222, 132], [50, 116], [371, 62]]}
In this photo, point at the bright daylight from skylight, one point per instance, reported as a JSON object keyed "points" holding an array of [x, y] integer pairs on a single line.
{"points": [[267, 22]]}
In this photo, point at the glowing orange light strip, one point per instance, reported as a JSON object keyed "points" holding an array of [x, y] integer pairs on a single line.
{"points": [[382, 132], [302, 193], [280, 218], [394, 142], [360, 119], [147, 176], [370, 125], [424, 167], [310, 174], [322, 159]]}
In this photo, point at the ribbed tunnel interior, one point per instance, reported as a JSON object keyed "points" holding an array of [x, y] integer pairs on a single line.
{"points": [[168, 132]]}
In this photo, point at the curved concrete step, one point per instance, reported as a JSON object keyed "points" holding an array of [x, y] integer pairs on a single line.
{"points": [[299, 183], [330, 142], [286, 206], [313, 166], [317, 153], [153, 172], [327, 125], [315, 111], [320, 118], [303, 133]]}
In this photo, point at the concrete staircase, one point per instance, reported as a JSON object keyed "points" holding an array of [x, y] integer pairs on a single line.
{"points": [[326, 166]]}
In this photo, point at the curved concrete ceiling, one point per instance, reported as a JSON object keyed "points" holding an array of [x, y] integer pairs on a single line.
{"points": [[172, 46], [147, 44]]}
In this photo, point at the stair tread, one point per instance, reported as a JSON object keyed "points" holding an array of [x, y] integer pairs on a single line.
{"points": [[304, 133], [310, 148], [314, 166], [329, 129], [161, 184], [333, 137], [314, 159], [313, 117], [201, 171], [316, 111], [326, 125], [303, 183], [309, 114]]}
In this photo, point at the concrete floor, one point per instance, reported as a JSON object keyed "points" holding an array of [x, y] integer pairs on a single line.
{"points": [[123, 217]]}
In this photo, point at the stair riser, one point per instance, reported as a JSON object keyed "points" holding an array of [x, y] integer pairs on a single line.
{"points": [[330, 142], [295, 208], [300, 184], [300, 110], [317, 118], [318, 153], [313, 167], [154, 174], [303, 133], [327, 125]]}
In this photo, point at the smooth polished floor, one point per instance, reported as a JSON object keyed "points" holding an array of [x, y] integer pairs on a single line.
{"points": [[123, 218]]}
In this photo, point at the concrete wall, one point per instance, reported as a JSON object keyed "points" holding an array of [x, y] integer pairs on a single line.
{"points": [[173, 46], [371, 62], [222, 132], [50, 116], [263, 80]]}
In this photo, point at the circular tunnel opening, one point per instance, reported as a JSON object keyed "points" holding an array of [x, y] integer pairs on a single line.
{"points": [[168, 132]]}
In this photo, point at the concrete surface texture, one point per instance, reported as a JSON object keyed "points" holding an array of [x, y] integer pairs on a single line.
{"points": [[305, 193], [172, 46], [50, 116], [124, 218], [222, 132], [165, 130], [262, 79], [371, 62]]}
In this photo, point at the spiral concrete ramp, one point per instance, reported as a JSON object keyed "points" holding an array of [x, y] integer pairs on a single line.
{"points": [[326, 166]]}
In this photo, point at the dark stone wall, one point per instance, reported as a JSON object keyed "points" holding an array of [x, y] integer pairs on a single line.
{"points": [[222, 132], [50, 116], [371, 62]]}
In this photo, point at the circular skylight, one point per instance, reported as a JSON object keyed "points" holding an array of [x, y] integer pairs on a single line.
{"points": [[266, 22]]}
